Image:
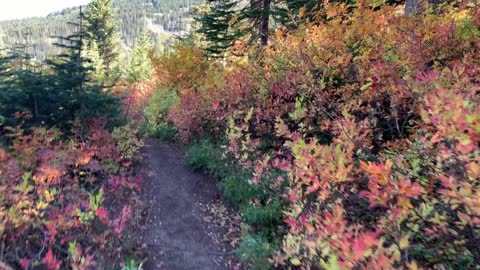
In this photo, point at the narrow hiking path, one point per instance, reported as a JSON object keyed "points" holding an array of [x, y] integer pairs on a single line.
{"points": [[188, 225]]}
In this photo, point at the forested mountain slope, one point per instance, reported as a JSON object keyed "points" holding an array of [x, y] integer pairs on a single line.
{"points": [[165, 18]]}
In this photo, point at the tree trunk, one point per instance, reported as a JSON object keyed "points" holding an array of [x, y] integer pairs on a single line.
{"points": [[264, 33], [80, 89], [411, 6], [35, 107]]}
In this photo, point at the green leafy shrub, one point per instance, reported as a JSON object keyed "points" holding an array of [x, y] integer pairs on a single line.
{"points": [[255, 249], [266, 216], [156, 115], [260, 208], [127, 141], [164, 132], [205, 156], [132, 264], [257, 206], [237, 189]]}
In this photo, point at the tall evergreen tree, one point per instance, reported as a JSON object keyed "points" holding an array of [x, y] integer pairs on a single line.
{"points": [[171, 15], [219, 25], [82, 95], [71, 68], [95, 63], [102, 32], [24, 87], [140, 66], [258, 14], [61, 93], [229, 20], [293, 13]]}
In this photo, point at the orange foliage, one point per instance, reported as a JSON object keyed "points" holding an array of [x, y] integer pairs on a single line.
{"points": [[376, 134], [52, 195]]}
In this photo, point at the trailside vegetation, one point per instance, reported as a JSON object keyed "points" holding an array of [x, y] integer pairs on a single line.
{"points": [[346, 133], [69, 184], [350, 141], [57, 196]]}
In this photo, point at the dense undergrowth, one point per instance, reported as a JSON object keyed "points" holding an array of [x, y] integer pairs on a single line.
{"points": [[351, 143], [66, 202]]}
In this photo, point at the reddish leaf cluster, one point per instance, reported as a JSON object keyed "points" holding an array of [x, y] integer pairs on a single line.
{"points": [[52, 195], [372, 120]]}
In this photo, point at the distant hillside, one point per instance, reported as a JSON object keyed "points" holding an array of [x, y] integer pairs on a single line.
{"points": [[162, 17]]}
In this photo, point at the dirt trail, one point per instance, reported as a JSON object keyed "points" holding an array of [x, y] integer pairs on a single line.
{"points": [[178, 233]]}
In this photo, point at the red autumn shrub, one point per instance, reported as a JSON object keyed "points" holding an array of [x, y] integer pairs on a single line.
{"points": [[366, 123], [53, 207]]}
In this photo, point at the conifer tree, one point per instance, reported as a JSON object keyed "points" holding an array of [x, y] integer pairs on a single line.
{"points": [[3, 82], [61, 93], [102, 32], [71, 68], [229, 20], [82, 95], [24, 87], [95, 63], [258, 14], [140, 65], [293, 13], [219, 25]]}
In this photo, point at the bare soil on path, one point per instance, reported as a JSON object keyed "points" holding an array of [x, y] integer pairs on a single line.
{"points": [[187, 223]]}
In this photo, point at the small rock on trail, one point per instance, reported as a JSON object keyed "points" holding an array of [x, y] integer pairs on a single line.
{"points": [[180, 232]]}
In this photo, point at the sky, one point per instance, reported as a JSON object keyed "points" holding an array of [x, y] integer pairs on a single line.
{"points": [[17, 9]]}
